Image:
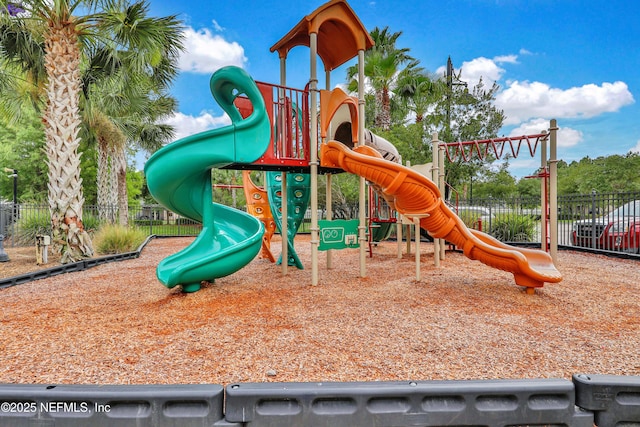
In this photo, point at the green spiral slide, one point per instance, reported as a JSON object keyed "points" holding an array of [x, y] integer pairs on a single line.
{"points": [[179, 177]]}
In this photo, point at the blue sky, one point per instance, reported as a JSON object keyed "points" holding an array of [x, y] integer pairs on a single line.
{"points": [[573, 60]]}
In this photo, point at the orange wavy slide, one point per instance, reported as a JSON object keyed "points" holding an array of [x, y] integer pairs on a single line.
{"points": [[410, 192]]}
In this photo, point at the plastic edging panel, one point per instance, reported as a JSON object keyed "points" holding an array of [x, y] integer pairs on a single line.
{"points": [[424, 403], [111, 406], [72, 267], [614, 399]]}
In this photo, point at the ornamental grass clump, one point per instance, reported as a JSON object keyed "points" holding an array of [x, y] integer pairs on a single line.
{"points": [[30, 224], [116, 239], [518, 228]]}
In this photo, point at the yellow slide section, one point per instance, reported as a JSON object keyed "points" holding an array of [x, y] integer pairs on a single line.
{"points": [[411, 193]]}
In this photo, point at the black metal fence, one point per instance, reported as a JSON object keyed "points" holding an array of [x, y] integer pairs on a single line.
{"points": [[607, 222], [22, 222], [517, 220], [598, 221]]}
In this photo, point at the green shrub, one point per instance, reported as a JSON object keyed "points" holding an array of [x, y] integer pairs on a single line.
{"points": [[513, 228], [90, 222], [115, 239], [469, 218], [38, 221], [30, 224]]}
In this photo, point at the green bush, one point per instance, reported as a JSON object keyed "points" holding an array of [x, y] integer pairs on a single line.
{"points": [[115, 239], [30, 224], [90, 222], [469, 218], [513, 228], [38, 221]]}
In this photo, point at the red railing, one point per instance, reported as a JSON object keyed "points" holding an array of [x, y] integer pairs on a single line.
{"points": [[288, 111], [482, 148]]}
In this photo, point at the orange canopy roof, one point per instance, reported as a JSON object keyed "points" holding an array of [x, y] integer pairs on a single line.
{"points": [[340, 34]]}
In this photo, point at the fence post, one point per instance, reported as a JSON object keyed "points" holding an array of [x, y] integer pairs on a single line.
{"points": [[408, 164]]}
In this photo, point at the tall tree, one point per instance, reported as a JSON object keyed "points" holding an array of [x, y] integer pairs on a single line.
{"points": [[383, 62], [21, 145], [420, 91], [464, 115], [49, 34], [118, 113]]}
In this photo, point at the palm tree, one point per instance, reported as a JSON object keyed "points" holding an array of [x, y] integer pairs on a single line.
{"points": [[120, 113], [144, 131], [47, 32], [383, 62], [420, 91]]}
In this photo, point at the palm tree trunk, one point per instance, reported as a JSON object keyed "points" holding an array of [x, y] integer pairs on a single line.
{"points": [[113, 184], [377, 120], [120, 163], [385, 112], [62, 123], [107, 183]]}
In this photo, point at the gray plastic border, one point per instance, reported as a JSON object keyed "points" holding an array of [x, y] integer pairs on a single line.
{"points": [[73, 266], [615, 400], [603, 400], [429, 403], [98, 406]]}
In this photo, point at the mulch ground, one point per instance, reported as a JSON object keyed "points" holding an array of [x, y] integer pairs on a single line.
{"points": [[116, 324]]}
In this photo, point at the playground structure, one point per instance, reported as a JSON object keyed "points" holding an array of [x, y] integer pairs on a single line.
{"points": [[274, 130], [181, 180]]}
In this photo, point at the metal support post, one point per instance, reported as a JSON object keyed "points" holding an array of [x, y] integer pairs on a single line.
{"points": [[435, 174], [553, 190]]}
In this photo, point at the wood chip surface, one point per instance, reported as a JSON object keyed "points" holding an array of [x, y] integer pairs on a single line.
{"points": [[116, 324]]}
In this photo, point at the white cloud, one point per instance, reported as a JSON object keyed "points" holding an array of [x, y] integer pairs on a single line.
{"points": [[567, 137], [217, 26], [531, 127], [186, 125], [509, 59], [206, 52], [483, 67], [636, 149], [522, 101]]}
